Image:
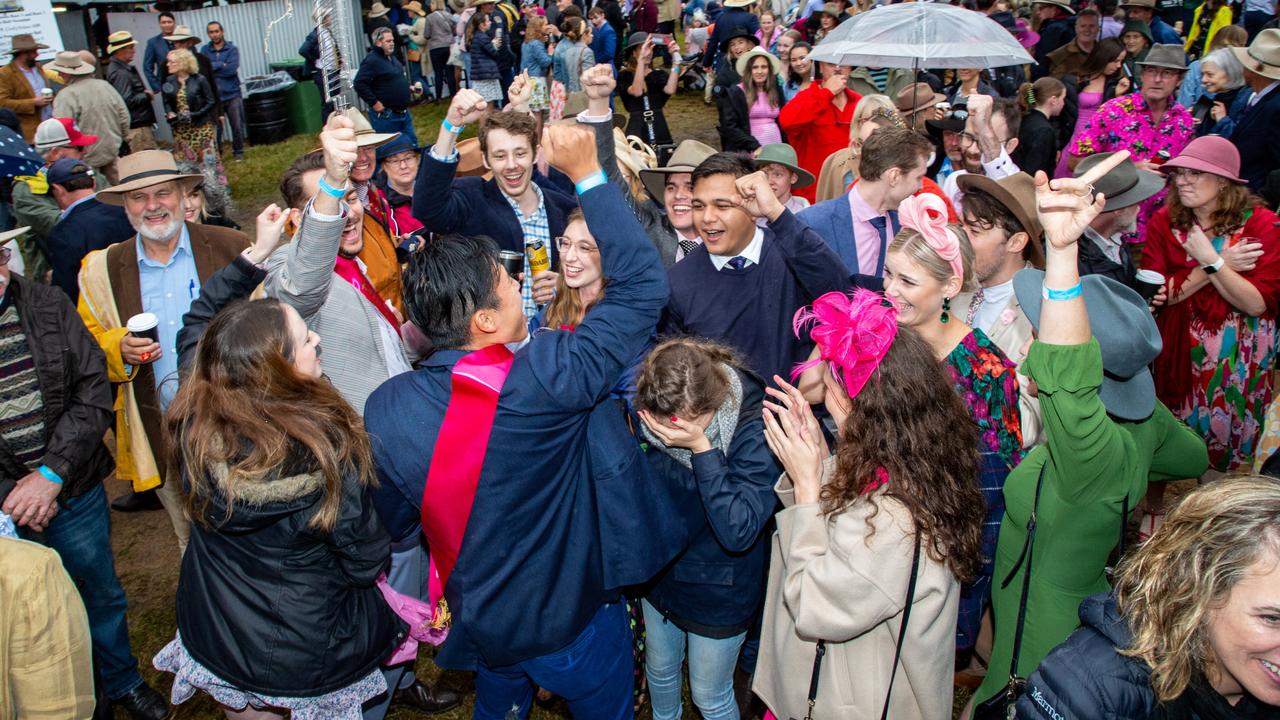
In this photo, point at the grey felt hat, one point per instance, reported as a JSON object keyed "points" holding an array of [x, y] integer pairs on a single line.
{"points": [[1125, 185]]}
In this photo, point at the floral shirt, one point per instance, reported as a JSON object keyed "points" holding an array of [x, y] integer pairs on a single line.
{"points": [[987, 382]]}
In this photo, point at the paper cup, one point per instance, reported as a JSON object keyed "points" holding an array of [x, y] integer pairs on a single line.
{"points": [[144, 325], [1148, 283]]}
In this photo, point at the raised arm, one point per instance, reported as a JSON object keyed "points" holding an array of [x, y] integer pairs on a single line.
{"points": [[436, 203], [812, 262]]}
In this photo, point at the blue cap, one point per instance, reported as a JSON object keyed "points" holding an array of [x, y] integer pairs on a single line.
{"points": [[398, 145], [68, 169]]}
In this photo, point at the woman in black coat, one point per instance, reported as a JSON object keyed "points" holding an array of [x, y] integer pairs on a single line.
{"points": [[190, 107], [1038, 146]]}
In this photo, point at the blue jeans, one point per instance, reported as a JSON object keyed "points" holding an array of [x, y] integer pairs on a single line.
{"points": [[711, 664], [391, 121], [81, 535], [407, 575], [594, 674], [233, 108]]}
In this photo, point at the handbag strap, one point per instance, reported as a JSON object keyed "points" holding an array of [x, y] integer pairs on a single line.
{"points": [[649, 118], [1028, 547]]}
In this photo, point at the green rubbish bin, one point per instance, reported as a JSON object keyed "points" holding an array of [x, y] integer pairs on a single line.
{"points": [[303, 102], [294, 67]]}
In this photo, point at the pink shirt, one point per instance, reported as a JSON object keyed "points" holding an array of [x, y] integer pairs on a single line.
{"points": [[763, 119], [866, 238]]}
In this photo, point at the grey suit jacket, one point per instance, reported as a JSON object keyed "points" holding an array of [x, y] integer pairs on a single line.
{"points": [[301, 274], [655, 224]]}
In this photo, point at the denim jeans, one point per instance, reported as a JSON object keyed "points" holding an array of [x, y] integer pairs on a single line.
{"points": [[233, 108], [711, 663], [408, 575], [594, 674], [392, 121], [80, 533], [444, 77]]}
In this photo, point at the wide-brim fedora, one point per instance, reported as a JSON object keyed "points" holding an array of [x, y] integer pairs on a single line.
{"points": [[688, 155], [1058, 4], [916, 97], [144, 169], [744, 62], [1168, 56], [180, 33], [366, 136], [1126, 333], [69, 62], [738, 32], [25, 42], [784, 155], [120, 40], [377, 10], [1017, 193], [636, 40], [1263, 54], [1125, 185]]}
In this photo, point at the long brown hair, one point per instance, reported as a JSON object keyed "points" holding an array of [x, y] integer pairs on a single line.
{"points": [[770, 85], [245, 407], [683, 376], [1233, 199], [908, 420], [566, 308], [1096, 62]]}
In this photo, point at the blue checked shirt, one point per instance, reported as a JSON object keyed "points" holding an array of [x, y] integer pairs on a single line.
{"points": [[534, 227]]}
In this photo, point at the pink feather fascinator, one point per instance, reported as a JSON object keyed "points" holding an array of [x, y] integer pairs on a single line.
{"points": [[927, 214], [852, 332]]}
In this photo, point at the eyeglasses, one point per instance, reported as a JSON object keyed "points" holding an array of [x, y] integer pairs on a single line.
{"points": [[563, 244], [1161, 73], [1182, 175], [403, 159], [5, 254], [968, 140]]}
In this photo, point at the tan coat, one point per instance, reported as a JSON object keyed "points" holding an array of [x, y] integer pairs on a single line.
{"points": [[98, 110], [828, 581], [831, 182], [17, 95]]}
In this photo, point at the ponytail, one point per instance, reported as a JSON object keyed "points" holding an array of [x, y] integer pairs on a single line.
{"points": [[1033, 95]]}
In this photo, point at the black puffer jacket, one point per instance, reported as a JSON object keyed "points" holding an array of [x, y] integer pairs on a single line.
{"points": [[126, 80], [276, 607], [201, 101], [72, 373]]}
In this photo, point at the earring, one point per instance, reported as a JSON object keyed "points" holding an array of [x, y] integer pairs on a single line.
{"points": [[946, 310]]}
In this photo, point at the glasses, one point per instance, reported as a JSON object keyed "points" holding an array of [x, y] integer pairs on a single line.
{"points": [[1161, 73], [1185, 176], [968, 140], [5, 254], [403, 159], [564, 244]]}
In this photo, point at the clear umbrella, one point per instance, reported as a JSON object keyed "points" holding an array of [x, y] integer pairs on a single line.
{"points": [[920, 34]]}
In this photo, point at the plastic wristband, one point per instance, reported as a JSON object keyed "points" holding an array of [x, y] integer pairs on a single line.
{"points": [[330, 190], [49, 475], [450, 127], [1215, 266], [1070, 293], [590, 181]]}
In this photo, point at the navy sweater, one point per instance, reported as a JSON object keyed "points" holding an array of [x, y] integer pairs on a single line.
{"points": [[381, 78], [752, 309]]}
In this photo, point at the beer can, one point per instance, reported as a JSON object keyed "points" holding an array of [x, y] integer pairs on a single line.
{"points": [[539, 256]]}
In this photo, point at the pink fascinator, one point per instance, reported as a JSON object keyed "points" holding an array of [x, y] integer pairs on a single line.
{"points": [[853, 332], [927, 214]]}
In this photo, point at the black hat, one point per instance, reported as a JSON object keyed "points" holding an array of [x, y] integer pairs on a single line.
{"points": [[741, 31]]}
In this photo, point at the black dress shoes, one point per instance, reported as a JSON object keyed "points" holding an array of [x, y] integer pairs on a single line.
{"points": [[426, 698], [137, 502], [144, 703]]}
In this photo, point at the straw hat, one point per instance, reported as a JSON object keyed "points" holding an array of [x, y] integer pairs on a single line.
{"points": [[69, 62], [747, 57], [415, 8], [120, 40], [377, 10], [180, 33], [1212, 154], [25, 42], [366, 136], [687, 156], [1262, 57], [144, 169]]}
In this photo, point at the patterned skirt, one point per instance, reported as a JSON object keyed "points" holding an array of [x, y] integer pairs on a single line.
{"points": [[490, 90], [198, 145], [189, 676], [540, 99]]}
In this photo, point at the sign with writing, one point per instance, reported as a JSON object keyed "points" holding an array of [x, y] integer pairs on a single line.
{"points": [[30, 17]]}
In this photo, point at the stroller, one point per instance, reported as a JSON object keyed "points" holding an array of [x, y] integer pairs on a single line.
{"points": [[692, 76]]}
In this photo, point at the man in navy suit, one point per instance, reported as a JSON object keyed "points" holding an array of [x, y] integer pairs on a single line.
{"points": [[1255, 135], [524, 577], [84, 225], [157, 51]]}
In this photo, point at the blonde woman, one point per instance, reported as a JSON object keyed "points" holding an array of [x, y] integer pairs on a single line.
{"points": [[189, 106], [1193, 628], [841, 167]]}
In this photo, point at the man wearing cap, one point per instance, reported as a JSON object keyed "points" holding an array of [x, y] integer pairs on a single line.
{"points": [[1257, 133], [84, 224], [1056, 30], [159, 271], [778, 163], [124, 77], [1068, 59], [733, 21], [55, 407], [1125, 187], [157, 51], [1145, 10], [382, 84], [96, 108], [224, 61], [23, 85], [379, 226], [1150, 123]]}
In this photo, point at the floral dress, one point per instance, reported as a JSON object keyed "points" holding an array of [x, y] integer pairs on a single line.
{"points": [[1215, 371], [987, 381]]}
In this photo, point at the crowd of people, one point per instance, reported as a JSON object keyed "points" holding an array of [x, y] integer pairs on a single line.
{"points": [[850, 414]]}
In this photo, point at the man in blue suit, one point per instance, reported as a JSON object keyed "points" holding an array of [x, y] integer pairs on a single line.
{"points": [[84, 225], [604, 40], [525, 580], [1256, 132], [157, 51]]}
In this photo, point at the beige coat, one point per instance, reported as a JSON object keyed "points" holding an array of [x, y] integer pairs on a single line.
{"points": [[1012, 334], [98, 110], [828, 580]]}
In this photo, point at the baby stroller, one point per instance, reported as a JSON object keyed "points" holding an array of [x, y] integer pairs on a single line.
{"points": [[692, 76]]}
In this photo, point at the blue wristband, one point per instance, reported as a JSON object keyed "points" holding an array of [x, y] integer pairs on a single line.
{"points": [[450, 127], [590, 181], [1070, 293], [330, 190], [49, 475]]}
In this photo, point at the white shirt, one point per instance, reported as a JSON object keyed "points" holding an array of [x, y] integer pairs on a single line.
{"points": [[1258, 95], [679, 250], [1002, 167], [750, 252], [994, 301]]}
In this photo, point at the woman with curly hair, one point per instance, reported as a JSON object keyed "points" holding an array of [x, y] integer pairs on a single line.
{"points": [[1193, 628], [872, 544]]}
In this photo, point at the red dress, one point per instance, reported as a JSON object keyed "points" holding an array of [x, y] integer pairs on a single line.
{"points": [[815, 128]]}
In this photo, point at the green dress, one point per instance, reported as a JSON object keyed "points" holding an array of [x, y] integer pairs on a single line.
{"points": [[1093, 463]]}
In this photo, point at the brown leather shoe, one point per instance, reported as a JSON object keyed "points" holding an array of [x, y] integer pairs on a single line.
{"points": [[426, 698]]}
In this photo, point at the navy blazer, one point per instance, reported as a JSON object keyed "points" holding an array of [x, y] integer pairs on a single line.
{"points": [[1256, 138], [529, 575], [475, 206], [91, 225]]}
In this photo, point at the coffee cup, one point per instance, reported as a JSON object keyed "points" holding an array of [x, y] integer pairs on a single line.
{"points": [[144, 325], [1148, 283], [512, 261]]}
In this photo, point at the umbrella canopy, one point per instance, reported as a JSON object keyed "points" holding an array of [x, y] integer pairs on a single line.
{"points": [[16, 156], [921, 35]]}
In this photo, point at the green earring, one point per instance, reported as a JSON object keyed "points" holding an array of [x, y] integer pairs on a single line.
{"points": [[946, 307]]}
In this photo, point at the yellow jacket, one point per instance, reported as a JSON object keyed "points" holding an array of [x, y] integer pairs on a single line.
{"points": [[1221, 20]]}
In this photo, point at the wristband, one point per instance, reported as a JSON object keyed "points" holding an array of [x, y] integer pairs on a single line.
{"points": [[1070, 293], [1213, 267], [450, 127], [331, 191], [49, 475], [590, 181]]}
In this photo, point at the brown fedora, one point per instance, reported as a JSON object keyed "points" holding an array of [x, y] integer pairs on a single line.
{"points": [[144, 169], [688, 155], [916, 97], [25, 42], [1017, 193], [1262, 57]]}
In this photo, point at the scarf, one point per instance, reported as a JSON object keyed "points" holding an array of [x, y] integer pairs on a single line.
{"points": [[719, 432]]}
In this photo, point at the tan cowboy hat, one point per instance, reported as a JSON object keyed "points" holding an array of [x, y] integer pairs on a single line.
{"points": [[377, 10], [143, 169], [749, 56], [25, 42], [366, 136], [180, 33], [69, 62], [470, 160], [689, 154], [1017, 193], [1263, 54], [415, 7], [119, 40], [11, 234]]}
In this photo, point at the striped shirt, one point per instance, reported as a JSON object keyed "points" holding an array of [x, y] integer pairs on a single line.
{"points": [[21, 402]]}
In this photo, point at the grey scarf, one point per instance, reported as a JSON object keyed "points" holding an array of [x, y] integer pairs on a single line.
{"points": [[719, 432]]}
